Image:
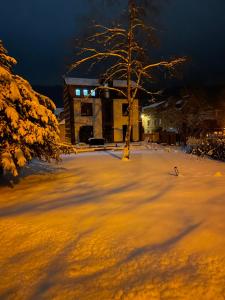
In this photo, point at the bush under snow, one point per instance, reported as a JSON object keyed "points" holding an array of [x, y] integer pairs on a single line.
{"points": [[213, 147]]}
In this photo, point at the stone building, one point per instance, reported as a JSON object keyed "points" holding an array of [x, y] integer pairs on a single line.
{"points": [[99, 113]]}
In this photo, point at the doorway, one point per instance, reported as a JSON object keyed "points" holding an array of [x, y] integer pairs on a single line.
{"points": [[85, 133]]}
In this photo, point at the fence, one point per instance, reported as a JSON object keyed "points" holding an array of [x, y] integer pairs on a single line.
{"points": [[164, 137]]}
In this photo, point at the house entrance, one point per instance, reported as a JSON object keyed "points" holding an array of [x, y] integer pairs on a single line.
{"points": [[108, 133], [85, 133]]}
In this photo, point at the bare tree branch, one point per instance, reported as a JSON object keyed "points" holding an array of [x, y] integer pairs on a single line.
{"points": [[166, 64], [123, 48]]}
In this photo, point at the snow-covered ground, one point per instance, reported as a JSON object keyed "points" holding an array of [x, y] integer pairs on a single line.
{"points": [[95, 227]]}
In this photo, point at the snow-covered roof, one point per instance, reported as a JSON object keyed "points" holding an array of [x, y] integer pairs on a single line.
{"points": [[180, 101], [81, 81], [154, 105], [62, 122], [94, 82]]}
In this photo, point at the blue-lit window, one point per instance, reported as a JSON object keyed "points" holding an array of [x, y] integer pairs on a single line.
{"points": [[85, 93], [93, 93], [77, 92]]}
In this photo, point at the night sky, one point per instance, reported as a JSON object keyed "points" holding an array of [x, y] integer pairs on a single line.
{"points": [[39, 35]]}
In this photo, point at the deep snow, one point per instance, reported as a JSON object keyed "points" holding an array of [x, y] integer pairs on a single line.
{"points": [[95, 227]]}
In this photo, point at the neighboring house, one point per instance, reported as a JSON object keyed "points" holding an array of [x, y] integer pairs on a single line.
{"points": [[62, 131], [100, 113], [151, 118], [59, 112], [191, 113]]}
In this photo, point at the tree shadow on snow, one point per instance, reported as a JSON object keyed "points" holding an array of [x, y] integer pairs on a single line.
{"points": [[164, 246], [35, 167], [113, 154], [69, 199], [147, 199], [56, 273]]}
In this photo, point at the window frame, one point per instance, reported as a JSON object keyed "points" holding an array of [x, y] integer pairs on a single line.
{"points": [[86, 112], [79, 92], [85, 91], [93, 93], [125, 111]]}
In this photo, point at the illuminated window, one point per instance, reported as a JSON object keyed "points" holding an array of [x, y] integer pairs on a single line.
{"points": [[85, 93], [77, 92], [93, 93]]}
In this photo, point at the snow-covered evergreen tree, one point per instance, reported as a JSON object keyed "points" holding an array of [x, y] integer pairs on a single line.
{"points": [[28, 126]]}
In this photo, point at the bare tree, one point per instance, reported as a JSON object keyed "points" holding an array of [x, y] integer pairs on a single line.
{"points": [[120, 48]]}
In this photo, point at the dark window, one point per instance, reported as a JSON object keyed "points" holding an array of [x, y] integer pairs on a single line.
{"points": [[86, 109], [125, 109]]}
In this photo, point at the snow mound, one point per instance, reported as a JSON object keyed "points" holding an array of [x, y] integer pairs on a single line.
{"points": [[218, 174]]}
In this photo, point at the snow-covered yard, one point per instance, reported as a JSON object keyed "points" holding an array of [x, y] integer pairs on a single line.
{"points": [[94, 227]]}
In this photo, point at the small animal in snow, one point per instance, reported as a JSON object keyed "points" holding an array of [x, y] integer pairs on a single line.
{"points": [[176, 171]]}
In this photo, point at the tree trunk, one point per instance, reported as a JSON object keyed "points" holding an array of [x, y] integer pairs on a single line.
{"points": [[126, 151]]}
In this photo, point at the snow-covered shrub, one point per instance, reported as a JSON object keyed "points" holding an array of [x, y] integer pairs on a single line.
{"points": [[28, 126], [193, 141], [213, 147], [67, 149]]}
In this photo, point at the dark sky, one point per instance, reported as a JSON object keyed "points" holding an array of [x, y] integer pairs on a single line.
{"points": [[39, 35]]}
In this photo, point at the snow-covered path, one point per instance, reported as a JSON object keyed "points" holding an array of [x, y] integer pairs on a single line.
{"points": [[94, 227]]}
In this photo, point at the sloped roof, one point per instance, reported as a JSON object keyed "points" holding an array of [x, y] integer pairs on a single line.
{"points": [[62, 122], [81, 81], [154, 105], [94, 82]]}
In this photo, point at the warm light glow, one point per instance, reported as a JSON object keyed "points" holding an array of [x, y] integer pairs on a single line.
{"points": [[154, 231]]}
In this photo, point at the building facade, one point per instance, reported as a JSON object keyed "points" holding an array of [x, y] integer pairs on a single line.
{"points": [[99, 113], [190, 115]]}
